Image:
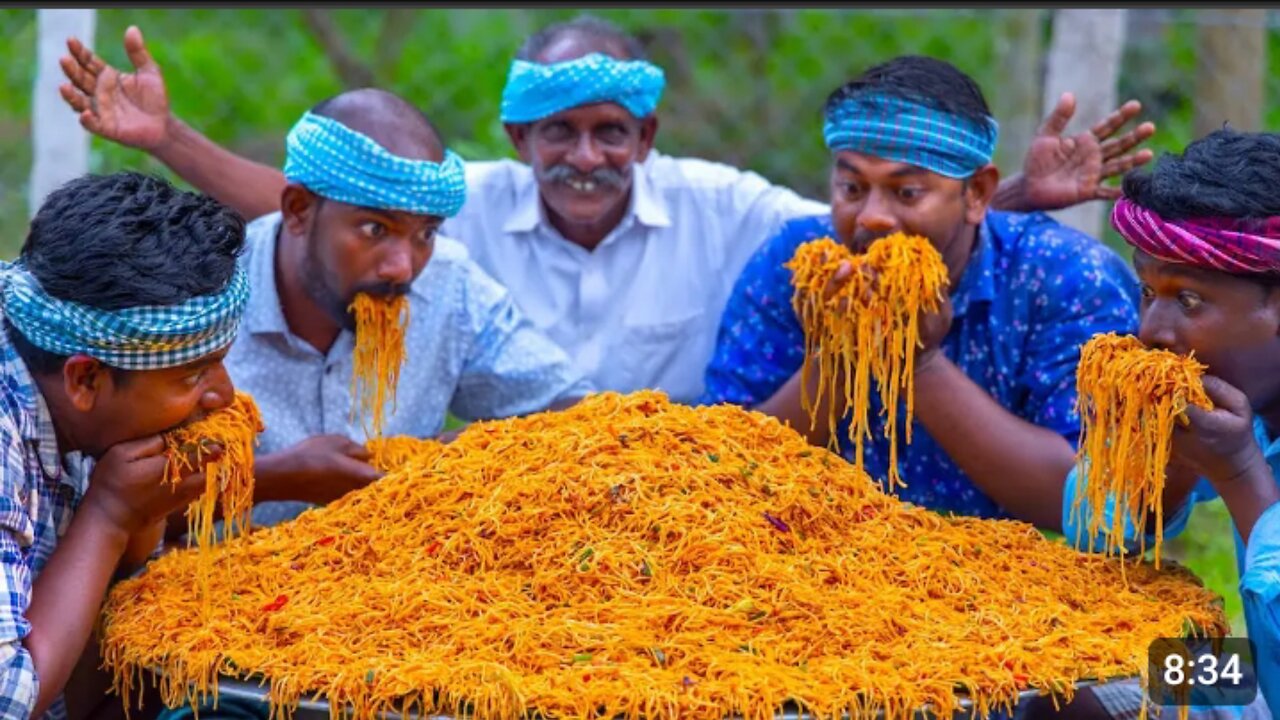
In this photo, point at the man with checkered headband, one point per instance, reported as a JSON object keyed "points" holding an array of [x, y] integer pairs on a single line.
{"points": [[117, 315]]}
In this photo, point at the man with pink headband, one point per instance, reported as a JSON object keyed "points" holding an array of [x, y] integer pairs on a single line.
{"points": [[1205, 226]]}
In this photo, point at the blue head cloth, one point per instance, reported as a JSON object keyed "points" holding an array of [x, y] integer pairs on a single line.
{"points": [[341, 164], [137, 338], [535, 91], [900, 130]]}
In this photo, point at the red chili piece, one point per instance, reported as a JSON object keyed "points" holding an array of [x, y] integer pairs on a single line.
{"points": [[275, 604], [326, 540]]}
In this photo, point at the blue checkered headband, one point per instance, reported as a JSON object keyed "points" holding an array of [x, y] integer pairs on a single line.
{"points": [[338, 163], [535, 91], [903, 131], [136, 338]]}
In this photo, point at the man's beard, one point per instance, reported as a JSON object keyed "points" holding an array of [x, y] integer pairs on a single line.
{"points": [[318, 286], [322, 293]]}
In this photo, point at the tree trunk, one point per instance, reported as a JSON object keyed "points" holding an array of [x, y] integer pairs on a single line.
{"points": [[1084, 58], [1230, 67], [353, 71], [59, 146], [1020, 49]]}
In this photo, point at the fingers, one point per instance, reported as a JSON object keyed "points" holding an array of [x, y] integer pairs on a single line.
{"points": [[1058, 119], [361, 473], [1194, 417], [369, 473], [872, 284], [147, 447], [136, 49], [198, 457], [191, 486], [838, 279], [84, 56], [1116, 120], [1225, 396], [1125, 163], [1128, 141], [355, 450], [81, 78], [77, 100], [90, 122]]}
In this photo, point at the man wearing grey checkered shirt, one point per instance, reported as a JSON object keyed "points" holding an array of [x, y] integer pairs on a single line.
{"points": [[116, 317]]}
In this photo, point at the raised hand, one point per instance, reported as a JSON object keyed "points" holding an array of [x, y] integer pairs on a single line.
{"points": [[1061, 171], [129, 108]]}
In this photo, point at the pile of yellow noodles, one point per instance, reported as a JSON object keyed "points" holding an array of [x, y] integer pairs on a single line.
{"points": [[869, 327], [638, 558], [235, 429], [1130, 397], [398, 451], [379, 353]]}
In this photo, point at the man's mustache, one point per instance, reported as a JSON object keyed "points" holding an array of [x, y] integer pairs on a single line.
{"points": [[602, 176], [382, 290], [862, 239]]}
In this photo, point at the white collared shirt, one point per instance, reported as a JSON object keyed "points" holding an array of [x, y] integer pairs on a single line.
{"points": [[642, 309]]}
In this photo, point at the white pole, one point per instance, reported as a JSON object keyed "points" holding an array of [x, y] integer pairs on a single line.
{"points": [[59, 146]]}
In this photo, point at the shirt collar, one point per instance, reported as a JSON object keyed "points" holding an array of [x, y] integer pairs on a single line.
{"points": [[977, 283], [264, 315], [46, 440], [648, 205], [37, 427]]}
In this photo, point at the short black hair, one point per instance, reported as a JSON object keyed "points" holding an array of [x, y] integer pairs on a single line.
{"points": [[587, 27], [1227, 173], [929, 81], [126, 240]]}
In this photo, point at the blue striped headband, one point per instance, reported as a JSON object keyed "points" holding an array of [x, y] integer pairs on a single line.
{"points": [[903, 131], [535, 91], [341, 164], [137, 338]]}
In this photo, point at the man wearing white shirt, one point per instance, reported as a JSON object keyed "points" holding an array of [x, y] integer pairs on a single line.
{"points": [[624, 256]]}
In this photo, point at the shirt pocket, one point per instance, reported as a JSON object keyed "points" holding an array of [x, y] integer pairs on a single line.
{"points": [[661, 355]]}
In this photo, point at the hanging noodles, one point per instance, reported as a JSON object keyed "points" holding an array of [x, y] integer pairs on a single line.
{"points": [[870, 327], [235, 429], [379, 353], [638, 558], [1130, 397]]}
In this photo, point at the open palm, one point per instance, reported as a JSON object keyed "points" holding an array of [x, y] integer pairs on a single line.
{"points": [[1061, 171], [128, 108]]}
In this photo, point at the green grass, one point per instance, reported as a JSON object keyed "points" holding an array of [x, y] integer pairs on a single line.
{"points": [[1207, 548]]}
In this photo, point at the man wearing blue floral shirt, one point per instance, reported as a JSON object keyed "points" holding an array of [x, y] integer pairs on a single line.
{"points": [[996, 423]]}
